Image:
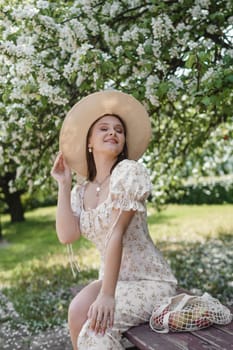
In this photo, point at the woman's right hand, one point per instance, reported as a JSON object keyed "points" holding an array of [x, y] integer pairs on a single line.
{"points": [[60, 170]]}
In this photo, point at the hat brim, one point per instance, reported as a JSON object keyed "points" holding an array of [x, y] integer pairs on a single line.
{"points": [[83, 114]]}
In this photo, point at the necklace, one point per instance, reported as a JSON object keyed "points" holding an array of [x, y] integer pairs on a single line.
{"points": [[99, 185]]}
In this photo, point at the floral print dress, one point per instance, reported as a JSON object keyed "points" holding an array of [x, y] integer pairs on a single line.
{"points": [[145, 279]]}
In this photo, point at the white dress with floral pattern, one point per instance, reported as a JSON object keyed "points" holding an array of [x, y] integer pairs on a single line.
{"points": [[145, 279]]}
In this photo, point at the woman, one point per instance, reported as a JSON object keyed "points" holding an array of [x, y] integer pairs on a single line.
{"points": [[101, 138]]}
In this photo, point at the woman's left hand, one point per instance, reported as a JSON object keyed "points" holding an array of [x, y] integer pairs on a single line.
{"points": [[101, 313]]}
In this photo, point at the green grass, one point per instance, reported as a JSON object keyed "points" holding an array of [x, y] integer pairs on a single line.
{"points": [[35, 273], [34, 242], [194, 223]]}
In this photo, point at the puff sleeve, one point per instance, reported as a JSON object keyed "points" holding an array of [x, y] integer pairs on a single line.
{"points": [[130, 186], [75, 200]]}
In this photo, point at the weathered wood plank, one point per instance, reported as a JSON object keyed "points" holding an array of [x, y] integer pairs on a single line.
{"points": [[228, 329], [146, 339], [215, 336]]}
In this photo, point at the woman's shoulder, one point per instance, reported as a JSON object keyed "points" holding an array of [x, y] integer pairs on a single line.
{"points": [[130, 175], [128, 167], [129, 164]]}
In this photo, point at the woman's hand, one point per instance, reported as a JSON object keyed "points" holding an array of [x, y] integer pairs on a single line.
{"points": [[60, 170], [101, 313]]}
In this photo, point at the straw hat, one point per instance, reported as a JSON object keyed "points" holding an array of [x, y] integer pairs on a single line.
{"points": [[84, 113]]}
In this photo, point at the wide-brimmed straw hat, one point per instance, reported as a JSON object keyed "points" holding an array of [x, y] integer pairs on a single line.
{"points": [[84, 113]]}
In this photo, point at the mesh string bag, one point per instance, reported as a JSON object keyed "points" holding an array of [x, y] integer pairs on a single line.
{"points": [[189, 313]]}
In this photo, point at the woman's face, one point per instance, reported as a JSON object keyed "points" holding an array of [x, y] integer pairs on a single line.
{"points": [[107, 136]]}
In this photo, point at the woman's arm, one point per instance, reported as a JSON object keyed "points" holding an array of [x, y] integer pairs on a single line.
{"points": [[103, 307], [67, 225]]}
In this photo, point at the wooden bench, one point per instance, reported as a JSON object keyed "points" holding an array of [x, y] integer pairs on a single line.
{"points": [[211, 338]]}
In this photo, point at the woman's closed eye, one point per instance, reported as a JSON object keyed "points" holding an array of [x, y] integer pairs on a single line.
{"points": [[118, 130]]}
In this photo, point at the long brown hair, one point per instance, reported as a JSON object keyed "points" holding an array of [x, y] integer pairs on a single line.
{"points": [[91, 168]]}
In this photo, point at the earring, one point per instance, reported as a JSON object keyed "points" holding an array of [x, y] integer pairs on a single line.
{"points": [[89, 149]]}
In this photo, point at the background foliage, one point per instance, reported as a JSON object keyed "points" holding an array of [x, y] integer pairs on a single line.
{"points": [[175, 56]]}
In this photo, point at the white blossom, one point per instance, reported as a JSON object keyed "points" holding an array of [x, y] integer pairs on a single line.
{"points": [[177, 82], [230, 53], [80, 79], [184, 40], [24, 11], [23, 68], [162, 27], [208, 74], [19, 171], [230, 21], [114, 9], [119, 49], [154, 100], [123, 69], [203, 3], [73, 64], [42, 4], [48, 22], [198, 11], [174, 52], [126, 36], [92, 25], [212, 28], [134, 34], [151, 86], [172, 94], [156, 47], [67, 40], [79, 29], [140, 50], [95, 76], [106, 8], [192, 44]]}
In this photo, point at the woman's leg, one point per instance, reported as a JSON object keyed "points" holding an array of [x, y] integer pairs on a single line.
{"points": [[78, 309], [135, 301]]}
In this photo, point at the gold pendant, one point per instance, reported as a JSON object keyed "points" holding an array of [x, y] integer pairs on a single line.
{"points": [[97, 191]]}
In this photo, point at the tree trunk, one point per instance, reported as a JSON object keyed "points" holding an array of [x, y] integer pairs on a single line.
{"points": [[13, 200], [14, 203]]}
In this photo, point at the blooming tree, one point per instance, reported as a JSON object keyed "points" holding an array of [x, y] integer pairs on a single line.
{"points": [[175, 56]]}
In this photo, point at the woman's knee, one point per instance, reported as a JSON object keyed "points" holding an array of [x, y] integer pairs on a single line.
{"points": [[77, 311], [79, 306]]}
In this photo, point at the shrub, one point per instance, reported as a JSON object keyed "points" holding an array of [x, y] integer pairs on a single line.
{"points": [[208, 191]]}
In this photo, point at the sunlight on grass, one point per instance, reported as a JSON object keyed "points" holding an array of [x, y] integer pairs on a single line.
{"points": [[36, 240], [190, 223]]}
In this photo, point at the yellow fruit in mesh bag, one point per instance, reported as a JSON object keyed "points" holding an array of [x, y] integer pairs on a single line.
{"points": [[179, 319], [189, 319]]}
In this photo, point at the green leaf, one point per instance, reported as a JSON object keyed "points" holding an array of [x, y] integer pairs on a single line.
{"points": [[190, 61], [206, 100]]}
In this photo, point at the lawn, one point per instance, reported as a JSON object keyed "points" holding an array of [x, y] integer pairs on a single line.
{"points": [[35, 273]]}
